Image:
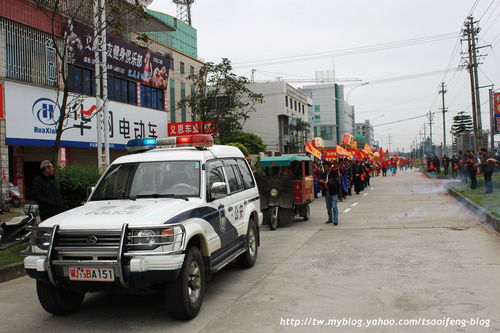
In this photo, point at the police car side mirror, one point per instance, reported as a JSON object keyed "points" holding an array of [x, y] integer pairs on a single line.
{"points": [[218, 190]]}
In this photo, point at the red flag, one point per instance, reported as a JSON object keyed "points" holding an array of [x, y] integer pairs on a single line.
{"points": [[313, 151]]}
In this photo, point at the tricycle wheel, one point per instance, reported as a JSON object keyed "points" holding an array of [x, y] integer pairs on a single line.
{"points": [[285, 217], [305, 212], [274, 218]]}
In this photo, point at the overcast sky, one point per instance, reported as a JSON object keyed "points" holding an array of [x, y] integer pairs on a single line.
{"points": [[247, 32]]}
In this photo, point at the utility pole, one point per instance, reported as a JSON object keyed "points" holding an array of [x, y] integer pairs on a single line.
{"points": [[253, 75], [492, 121], [389, 141], [442, 92], [472, 64], [431, 118]]}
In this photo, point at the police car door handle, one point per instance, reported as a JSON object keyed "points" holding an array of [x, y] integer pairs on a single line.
{"points": [[229, 208]]}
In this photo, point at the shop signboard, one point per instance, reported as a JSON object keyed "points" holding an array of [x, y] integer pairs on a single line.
{"points": [[125, 60], [32, 114]]}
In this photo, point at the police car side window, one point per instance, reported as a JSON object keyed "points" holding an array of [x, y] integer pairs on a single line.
{"points": [[231, 179], [246, 174], [215, 174]]}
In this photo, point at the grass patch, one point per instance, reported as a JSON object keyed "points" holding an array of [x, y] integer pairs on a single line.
{"points": [[11, 255], [487, 201]]}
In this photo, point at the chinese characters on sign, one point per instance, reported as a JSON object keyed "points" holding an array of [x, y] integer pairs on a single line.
{"points": [[125, 60], [189, 128], [496, 111]]}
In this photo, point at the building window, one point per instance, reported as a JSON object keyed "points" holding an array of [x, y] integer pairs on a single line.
{"points": [[172, 64], [317, 108], [172, 101], [81, 80], [121, 90], [295, 105], [182, 68], [152, 97], [317, 118], [191, 70], [303, 108], [286, 101], [193, 116]]}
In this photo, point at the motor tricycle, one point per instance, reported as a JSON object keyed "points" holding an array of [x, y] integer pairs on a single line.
{"points": [[286, 188]]}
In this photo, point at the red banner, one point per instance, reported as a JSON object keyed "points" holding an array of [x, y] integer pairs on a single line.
{"points": [[330, 155], [496, 111], [2, 115], [190, 128]]}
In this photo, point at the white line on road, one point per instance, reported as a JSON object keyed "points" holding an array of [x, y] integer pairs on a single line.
{"points": [[365, 194], [354, 204], [347, 210], [371, 189]]}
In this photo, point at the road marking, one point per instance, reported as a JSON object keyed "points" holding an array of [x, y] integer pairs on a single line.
{"points": [[365, 194], [347, 210], [371, 189], [354, 204]]}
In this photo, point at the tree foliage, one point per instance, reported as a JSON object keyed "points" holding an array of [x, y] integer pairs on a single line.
{"points": [[74, 181], [220, 97], [462, 123], [299, 129], [253, 143], [361, 140]]}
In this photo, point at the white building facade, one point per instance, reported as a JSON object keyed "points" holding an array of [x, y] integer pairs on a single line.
{"points": [[282, 105]]}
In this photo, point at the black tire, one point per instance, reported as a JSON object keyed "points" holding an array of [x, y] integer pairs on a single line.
{"points": [[248, 259], [274, 218], [285, 217], [306, 212], [191, 280], [15, 202], [58, 301]]}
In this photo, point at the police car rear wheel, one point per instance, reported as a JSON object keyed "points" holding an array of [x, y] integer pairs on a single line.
{"points": [[185, 296], [247, 259]]}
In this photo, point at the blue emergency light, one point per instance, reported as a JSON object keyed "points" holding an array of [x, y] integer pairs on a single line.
{"points": [[138, 145]]}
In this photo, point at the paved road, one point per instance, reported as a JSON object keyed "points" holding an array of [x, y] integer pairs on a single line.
{"points": [[403, 250]]}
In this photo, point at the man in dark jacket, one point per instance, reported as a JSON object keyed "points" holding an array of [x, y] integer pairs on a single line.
{"points": [[446, 164], [487, 168], [45, 192], [331, 187]]}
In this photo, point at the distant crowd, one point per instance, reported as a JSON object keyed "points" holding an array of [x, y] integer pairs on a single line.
{"points": [[466, 166]]}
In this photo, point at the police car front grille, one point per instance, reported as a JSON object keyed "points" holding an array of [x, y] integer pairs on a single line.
{"points": [[72, 241]]}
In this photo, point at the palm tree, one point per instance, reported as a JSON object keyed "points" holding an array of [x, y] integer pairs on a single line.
{"points": [[299, 129]]}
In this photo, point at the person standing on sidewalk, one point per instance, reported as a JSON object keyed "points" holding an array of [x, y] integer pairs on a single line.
{"points": [[471, 167], [454, 167], [331, 187], [446, 164], [45, 192], [487, 168]]}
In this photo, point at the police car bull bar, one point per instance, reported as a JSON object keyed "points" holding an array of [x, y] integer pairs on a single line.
{"points": [[169, 238]]}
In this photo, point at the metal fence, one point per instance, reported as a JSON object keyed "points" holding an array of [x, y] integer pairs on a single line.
{"points": [[28, 54]]}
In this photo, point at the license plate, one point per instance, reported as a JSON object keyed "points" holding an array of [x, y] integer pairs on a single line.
{"points": [[103, 274]]}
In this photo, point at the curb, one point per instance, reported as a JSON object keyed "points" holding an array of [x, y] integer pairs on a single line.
{"points": [[485, 216], [12, 271]]}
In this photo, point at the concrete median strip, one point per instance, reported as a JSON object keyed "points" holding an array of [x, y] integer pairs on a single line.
{"points": [[12, 271], [485, 216]]}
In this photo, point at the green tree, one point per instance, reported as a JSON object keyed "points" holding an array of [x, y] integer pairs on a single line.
{"points": [[220, 97], [299, 129], [252, 142], [361, 140]]}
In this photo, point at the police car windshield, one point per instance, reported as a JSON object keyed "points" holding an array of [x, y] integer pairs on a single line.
{"points": [[150, 180]]}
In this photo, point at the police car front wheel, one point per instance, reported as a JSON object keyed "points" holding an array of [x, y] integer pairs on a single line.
{"points": [[185, 296]]}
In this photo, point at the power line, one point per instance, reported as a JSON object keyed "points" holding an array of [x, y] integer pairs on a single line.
{"points": [[401, 120], [345, 52]]}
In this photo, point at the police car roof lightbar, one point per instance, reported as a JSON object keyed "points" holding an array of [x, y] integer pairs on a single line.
{"points": [[197, 141], [138, 145]]}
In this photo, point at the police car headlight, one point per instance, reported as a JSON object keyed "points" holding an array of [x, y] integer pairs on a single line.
{"points": [[274, 193], [146, 237]]}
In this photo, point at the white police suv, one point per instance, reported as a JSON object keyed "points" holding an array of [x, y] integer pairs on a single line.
{"points": [[160, 220]]}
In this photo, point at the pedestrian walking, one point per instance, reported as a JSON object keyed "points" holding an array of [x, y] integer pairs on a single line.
{"points": [[394, 166], [487, 167], [331, 188], [45, 192]]}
